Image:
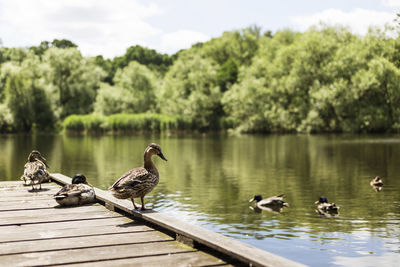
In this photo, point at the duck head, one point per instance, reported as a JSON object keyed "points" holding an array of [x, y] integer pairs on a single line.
{"points": [[154, 149], [256, 198], [79, 179], [322, 199], [35, 155]]}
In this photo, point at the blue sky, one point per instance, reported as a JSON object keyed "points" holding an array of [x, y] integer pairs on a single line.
{"points": [[109, 27]]}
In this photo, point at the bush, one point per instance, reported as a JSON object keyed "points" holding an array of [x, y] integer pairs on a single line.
{"points": [[138, 123]]}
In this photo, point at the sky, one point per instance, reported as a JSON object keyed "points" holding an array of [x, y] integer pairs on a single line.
{"points": [[108, 28]]}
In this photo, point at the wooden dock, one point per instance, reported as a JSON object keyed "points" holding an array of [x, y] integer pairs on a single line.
{"points": [[35, 231]]}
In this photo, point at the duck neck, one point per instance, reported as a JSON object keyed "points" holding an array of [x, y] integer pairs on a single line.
{"points": [[148, 164]]}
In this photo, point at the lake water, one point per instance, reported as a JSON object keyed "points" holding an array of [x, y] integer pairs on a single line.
{"points": [[208, 181]]}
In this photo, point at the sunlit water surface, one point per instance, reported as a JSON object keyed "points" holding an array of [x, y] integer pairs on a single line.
{"points": [[208, 181]]}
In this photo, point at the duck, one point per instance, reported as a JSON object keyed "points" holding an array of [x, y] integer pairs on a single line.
{"points": [[35, 170], [77, 193], [325, 207], [271, 202], [377, 181], [139, 181]]}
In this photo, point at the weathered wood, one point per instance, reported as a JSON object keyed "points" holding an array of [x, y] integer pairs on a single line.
{"points": [[91, 254], [35, 231], [55, 210], [227, 246], [120, 221], [5, 221], [176, 259], [18, 234], [77, 242]]}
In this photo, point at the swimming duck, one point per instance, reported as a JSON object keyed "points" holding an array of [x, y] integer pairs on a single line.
{"points": [[35, 170], [325, 207], [139, 181], [276, 201], [377, 181], [77, 193]]}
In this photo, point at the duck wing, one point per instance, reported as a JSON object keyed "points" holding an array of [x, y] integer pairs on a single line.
{"points": [[132, 178]]}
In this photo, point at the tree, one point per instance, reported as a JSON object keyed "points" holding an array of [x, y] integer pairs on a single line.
{"points": [[190, 88], [149, 57], [26, 97], [44, 45], [72, 79], [133, 91]]}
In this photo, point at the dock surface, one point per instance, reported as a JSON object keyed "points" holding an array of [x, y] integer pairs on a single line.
{"points": [[36, 231]]}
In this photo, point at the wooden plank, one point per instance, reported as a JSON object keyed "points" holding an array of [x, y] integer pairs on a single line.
{"points": [[174, 260], [31, 233], [93, 254], [76, 242], [120, 221], [5, 221], [235, 249], [55, 210]]}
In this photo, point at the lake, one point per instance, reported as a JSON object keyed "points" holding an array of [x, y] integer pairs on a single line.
{"points": [[208, 181]]}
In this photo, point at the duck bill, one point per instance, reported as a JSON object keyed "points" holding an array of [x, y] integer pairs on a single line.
{"points": [[316, 202], [251, 200], [162, 156]]}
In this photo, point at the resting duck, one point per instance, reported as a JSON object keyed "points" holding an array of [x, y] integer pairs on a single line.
{"points": [[139, 181], [35, 170], [325, 207], [77, 193], [276, 201]]}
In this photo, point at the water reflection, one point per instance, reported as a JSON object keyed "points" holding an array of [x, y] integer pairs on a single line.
{"points": [[209, 179]]}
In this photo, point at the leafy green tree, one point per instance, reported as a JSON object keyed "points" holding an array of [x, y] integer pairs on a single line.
{"points": [[133, 91], [44, 45], [107, 66], [149, 57], [72, 80], [26, 97], [190, 88]]}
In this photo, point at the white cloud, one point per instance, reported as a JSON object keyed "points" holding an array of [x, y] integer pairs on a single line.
{"points": [[171, 42], [391, 3], [359, 20], [97, 26]]}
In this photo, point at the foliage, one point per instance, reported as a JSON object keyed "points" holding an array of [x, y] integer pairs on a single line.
{"points": [[72, 80], [149, 57], [326, 79], [142, 122], [190, 88], [133, 92], [25, 95], [45, 45]]}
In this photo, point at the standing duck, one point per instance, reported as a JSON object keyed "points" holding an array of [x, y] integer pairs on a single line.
{"points": [[77, 193], [35, 170], [325, 207], [275, 201], [139, 181]]}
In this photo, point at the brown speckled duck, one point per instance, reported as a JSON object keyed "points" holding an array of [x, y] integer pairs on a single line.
{"points": [[77, 193], [35, 170], [139, 181]]}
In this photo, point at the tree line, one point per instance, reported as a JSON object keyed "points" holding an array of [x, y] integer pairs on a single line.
{"points": [[326, 79]]}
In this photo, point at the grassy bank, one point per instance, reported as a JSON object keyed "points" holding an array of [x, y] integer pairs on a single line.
{"points": [[120, 123]]}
